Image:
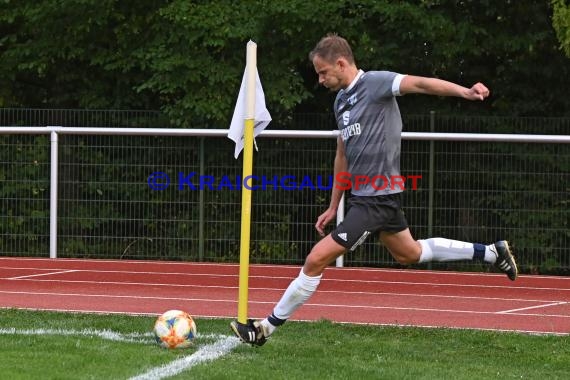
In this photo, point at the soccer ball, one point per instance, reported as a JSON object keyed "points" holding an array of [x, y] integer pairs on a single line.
{"points": [[175, 329]]}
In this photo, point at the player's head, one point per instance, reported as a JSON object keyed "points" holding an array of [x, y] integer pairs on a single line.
{"points": [[331, 57], [332, 47]]}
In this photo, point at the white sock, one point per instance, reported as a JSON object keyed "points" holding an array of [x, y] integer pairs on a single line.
{"points": [[490, 254], [298, 292], [439, 249], [268, 328]]}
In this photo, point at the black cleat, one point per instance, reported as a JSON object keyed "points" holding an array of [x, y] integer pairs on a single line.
{"points": [[505, 259], [251, 332]]}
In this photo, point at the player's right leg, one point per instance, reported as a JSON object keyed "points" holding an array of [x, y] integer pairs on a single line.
{"points": [[407, 251]]}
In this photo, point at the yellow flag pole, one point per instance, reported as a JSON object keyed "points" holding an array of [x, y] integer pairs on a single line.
{"points": [[251, 64]]}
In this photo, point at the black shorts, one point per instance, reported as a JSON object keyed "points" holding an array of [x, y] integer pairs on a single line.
{"points": [[367, 216]]}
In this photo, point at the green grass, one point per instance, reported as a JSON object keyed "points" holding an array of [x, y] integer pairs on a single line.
{"points": [[299, 350]]}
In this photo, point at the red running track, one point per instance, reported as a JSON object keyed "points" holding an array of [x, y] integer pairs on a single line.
{"points": [[535, 304]]}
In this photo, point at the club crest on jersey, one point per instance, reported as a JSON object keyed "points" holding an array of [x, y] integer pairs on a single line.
{"points": [[352, 100]]}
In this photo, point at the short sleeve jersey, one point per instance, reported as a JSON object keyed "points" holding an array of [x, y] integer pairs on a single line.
{"points": [[370, 125]]}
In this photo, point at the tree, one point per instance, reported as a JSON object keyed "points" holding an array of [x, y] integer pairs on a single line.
{"points": [[72, 53], [561, 22], [187, 58]]}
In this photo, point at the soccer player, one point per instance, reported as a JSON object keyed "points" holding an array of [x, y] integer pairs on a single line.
{"points": [[370, 127]]}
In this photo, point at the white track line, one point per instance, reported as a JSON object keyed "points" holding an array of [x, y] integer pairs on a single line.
{"points": [[409, 295], [205, 353], [127, 296], [532, 307], [273, 266], [532, 332], [41, 274], [290, 278], [319, 305], [143, 272], [330, 269]]}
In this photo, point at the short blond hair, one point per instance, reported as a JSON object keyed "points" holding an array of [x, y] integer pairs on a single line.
{"points": [[332, 47]]}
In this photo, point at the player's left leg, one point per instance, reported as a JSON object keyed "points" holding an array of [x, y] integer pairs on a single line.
{"points": [[298, 292], [306, 283], [355, 229]]}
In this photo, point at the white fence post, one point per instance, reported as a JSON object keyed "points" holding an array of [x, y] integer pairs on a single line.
{"points": [[53, 195], [339, 219]]}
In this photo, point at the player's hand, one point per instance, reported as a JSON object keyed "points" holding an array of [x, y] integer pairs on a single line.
{"points": [[324, 219], [478, 92]]}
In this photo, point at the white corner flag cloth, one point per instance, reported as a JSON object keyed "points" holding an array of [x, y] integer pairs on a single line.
{"points": [[261, 118]]}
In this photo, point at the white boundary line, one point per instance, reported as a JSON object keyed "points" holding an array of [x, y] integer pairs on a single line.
{"points": [[208, 352], [103, 334], [205, 353]]}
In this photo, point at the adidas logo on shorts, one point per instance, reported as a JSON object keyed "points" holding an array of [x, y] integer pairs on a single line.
{"points": [[342, 235]]}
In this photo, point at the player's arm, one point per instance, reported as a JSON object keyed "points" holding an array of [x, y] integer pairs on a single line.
{"points": [[411, 84], [340, 165]]}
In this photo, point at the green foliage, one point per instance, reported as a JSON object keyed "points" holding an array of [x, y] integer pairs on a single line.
{"points": [[561, 22], [24, 194], [187, 58]]}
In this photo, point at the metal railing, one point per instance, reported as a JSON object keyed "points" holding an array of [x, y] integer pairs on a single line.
{"points": [[101, 206]]}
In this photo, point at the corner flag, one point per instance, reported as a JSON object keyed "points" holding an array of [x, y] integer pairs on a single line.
{"points": [[261, 115], [250, 118]]}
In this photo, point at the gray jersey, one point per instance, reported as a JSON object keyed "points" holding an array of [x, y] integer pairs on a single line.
{"points": [[370, 125]]}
